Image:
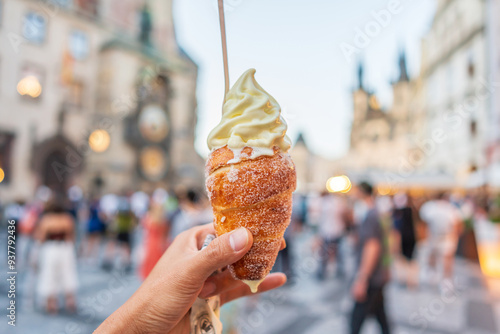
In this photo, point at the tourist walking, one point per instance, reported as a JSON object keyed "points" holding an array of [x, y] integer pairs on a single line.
{"points": [[372, 272], [331, 229], [444, 225]]}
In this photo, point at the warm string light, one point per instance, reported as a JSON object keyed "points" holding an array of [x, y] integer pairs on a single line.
{"points": [[384, 190]]}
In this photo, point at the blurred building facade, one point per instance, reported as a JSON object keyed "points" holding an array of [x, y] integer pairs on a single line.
{"points": [[97, 94], [456, 89], [493, 57], [312, 170]]}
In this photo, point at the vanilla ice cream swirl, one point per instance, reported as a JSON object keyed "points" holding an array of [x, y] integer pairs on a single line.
{"points": [[250, 117]]}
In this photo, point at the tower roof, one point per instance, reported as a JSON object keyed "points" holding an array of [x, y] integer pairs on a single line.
{"points": [[146, 26], [300, 139], [403, 71], [360, 75]]}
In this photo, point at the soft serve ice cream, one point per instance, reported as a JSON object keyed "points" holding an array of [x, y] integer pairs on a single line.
{"points": [[250, 118]]}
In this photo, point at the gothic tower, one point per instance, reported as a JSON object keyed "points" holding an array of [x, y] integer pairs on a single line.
{"points": [[401, 92], [361, 105]]}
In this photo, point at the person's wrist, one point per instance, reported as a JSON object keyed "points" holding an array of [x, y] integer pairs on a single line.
{"points": [[122, 321], [140, 313], [132, 316]]}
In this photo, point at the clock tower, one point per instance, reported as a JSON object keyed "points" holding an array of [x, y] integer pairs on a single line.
{"points": [[148, 130]]}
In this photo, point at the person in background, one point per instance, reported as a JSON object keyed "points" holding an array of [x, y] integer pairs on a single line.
{"points": [[124, 224], [57, 259], [16, 212], [95, 230], [193, 211], [444, 224], [155, 239], [331, 229], [372, 273], [404, 237], [297, 222]]}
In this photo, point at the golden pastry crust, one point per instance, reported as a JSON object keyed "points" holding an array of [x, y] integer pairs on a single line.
{"points": [[255, 194]]}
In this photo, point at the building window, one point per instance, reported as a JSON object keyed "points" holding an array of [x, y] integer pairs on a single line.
{"points": [[432, 89], [87, 6], [79, 45], [450, 80], [473, 128], [6, 141], [65, 3], [30, 84], [34, 27], [471, 68], [75, 96], [1, 13]]}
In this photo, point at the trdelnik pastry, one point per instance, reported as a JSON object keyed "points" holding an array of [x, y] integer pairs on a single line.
{"points": [[250, 175]]}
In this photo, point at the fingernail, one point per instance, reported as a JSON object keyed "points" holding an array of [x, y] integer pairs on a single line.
{"points": [[207, 289], [238, 239]]}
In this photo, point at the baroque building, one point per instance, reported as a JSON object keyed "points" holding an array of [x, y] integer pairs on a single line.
{"points": [[94, 93]]}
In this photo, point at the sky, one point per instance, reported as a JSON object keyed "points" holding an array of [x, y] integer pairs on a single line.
{"points": [[300, 49]]}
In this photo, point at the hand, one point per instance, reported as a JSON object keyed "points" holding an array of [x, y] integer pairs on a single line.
{"points": [[358, 290], [162, 303]]}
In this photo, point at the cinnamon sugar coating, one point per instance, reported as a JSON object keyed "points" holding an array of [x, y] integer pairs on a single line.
{"points": [[255, 194]]}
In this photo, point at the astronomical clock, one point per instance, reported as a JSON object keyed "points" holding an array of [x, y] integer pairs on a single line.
{"points": [[148, 129]]}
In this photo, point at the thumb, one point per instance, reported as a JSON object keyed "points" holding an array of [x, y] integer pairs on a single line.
{"points": [[224, 250]]}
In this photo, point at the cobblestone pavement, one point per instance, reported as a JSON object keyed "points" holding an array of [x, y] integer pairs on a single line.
{"points": [[307, 306], [304, 306]]}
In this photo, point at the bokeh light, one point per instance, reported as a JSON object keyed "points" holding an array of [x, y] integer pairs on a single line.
{"points": [[99, 140], [2, 175], [338, 184], [489, 259], [384, 190], [29, 86]]}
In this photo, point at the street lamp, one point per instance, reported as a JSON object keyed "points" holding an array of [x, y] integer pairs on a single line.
{"points": [[29, 86], [99, 140]]}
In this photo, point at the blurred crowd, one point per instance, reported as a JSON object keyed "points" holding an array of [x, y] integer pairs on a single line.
{"points": [[361, 237], [368, 240], [126, 232]]}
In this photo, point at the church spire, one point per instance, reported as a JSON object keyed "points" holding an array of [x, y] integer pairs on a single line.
{"points": [[360, 75], [300, 139], [146, 25], [403, 72]]}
